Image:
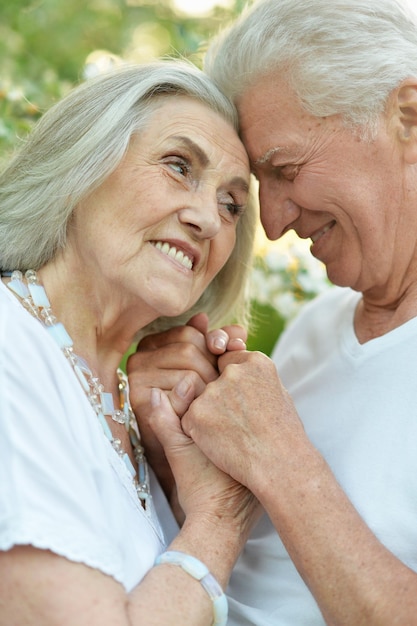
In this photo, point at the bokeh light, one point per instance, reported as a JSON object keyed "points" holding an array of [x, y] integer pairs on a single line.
{"points": [[199, 7]]}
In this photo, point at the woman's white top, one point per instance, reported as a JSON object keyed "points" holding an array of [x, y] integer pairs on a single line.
{"points": [[62, 486]]}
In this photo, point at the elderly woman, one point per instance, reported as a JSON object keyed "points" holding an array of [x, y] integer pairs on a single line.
{"points": [[128, 204], [327, 100]]}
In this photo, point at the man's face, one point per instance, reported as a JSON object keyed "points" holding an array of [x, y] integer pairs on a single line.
{"points": [[320, 179]]}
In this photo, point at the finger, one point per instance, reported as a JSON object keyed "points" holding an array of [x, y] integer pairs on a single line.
{"points": [[170, 382], [236, 331], [158, 366], [178, 334], [199, 322], [183, 394], [163, 416], [217, 341], [234, 356], [165, 422], [236, 344], [231, 337]]}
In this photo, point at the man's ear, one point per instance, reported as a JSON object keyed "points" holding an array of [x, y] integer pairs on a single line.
{"points": [[404, 116]]}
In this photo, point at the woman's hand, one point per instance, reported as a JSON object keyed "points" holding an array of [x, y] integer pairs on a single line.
{"points": [[180, 361], [163, 359], [204, 491]]}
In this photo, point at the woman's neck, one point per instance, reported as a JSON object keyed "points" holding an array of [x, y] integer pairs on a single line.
{"points": [[100, 330]]}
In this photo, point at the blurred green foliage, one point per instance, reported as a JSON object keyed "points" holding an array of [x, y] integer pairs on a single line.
{"points": [[267, 325], [44, 45]]}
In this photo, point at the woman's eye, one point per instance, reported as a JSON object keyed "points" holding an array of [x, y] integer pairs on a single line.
{"points": [[231, 210], [179, 166], [235, 209]]}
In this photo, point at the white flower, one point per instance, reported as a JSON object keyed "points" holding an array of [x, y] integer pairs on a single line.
{"points": [[15, 94], [286, 279]]}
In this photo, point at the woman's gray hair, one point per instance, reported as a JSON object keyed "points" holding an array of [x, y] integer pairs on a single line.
{"points": [[78, 143], [340, 56]]}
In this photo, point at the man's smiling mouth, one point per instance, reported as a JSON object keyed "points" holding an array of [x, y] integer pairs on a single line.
{"points": [[319, 233]]}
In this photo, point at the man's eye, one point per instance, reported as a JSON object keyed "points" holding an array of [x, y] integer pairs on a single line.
{"points": [[289, 172]]}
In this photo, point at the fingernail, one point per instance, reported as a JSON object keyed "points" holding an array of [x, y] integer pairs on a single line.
{"points": [[155, 397], [220, 342]]}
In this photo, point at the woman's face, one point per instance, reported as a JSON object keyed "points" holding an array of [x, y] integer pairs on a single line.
{"points": [[163, 224]]}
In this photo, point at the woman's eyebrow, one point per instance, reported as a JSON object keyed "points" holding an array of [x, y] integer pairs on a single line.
{"points": [[204, 160], [237, 181], [200, 154]]}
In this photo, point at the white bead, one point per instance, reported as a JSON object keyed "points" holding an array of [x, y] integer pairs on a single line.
{"points": [[82, 379], [19, 288], [105, 426], [39, 296], [129, 464], [60, 335], [107, 404]]}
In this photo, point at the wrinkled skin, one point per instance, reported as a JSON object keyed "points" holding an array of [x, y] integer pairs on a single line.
{"points": [[163, 360]]}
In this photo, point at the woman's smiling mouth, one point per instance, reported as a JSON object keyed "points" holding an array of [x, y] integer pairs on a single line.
{"points": [[174, 253]]}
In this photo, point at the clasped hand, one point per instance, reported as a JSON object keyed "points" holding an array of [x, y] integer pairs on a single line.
{"points": [[168, 371]]}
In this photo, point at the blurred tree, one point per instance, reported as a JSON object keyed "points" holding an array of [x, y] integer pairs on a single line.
{"points": [[44, 45]]}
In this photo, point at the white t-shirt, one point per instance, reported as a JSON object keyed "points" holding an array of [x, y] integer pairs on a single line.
{"points": [[358, 404], [62, 486]]}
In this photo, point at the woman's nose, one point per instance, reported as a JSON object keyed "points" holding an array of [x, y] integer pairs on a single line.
{"points": [[202, 215]]}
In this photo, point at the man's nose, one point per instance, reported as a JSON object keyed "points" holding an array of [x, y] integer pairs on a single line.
{"points": [[277, 210]]}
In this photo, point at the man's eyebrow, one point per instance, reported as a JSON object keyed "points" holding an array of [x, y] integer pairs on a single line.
{"points": [[268, 154], [200, 154]]}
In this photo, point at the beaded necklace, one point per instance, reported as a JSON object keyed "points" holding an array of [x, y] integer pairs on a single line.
{"points": [[33, 297]]}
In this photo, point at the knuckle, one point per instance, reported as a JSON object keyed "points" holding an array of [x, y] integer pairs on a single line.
{"points": [[188, 351]]}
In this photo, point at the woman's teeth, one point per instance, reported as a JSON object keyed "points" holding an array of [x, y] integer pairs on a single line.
{"points": [[172, 252]]}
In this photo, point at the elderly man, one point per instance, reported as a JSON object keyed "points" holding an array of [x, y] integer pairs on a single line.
{"points": [[325, 435]]}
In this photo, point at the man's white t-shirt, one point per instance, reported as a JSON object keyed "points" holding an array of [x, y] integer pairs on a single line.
{"points": [[358, 404]]}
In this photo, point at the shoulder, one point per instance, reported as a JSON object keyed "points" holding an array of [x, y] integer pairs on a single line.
{"points": [[332, 304], [319, 323]]}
